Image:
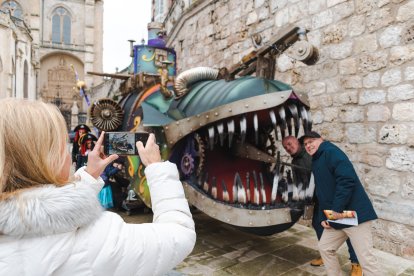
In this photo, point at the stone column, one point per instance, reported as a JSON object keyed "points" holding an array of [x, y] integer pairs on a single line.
{"points": [[74, 114]]}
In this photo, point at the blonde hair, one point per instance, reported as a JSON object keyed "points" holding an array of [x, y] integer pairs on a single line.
{"points": [[33, 139]]}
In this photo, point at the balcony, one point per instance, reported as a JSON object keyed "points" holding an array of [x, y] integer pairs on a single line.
{"points": [[61, 46]]}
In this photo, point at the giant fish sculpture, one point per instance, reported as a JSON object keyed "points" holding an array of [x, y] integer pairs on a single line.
{"points": [[223, 130]]}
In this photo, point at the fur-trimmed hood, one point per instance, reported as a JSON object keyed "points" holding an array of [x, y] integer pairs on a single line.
{"points": [[51, 210]]}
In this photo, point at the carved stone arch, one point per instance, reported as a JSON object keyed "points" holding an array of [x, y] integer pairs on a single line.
{"points": [[48, 55], [57, 78]]}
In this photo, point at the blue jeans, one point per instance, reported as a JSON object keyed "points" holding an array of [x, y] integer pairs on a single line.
{"points": [[319, 230]]}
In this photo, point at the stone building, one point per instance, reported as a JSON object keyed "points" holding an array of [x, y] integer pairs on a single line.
{"points": [[361, 90], [65, 36], [17, 63]]}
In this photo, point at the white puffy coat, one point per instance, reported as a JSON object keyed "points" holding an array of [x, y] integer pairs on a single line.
{"points": [[63, 230]]}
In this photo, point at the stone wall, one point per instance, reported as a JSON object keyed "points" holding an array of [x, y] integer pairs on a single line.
{"points": [[361, 91]]}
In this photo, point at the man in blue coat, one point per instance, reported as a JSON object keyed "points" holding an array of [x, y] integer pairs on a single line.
{"points": [[338, 188]]}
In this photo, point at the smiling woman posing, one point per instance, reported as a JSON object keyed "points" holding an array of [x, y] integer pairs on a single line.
{"points": [[51, 223]]}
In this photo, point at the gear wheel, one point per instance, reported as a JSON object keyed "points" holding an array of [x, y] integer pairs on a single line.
{"points": [[192, 160], [269, 144], [106, 115], [187, 164]]}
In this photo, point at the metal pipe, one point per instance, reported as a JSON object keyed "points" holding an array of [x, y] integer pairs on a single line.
{"points": [[186, 78]]}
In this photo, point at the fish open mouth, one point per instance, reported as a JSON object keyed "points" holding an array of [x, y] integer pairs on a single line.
{"points": [[234, 161]]}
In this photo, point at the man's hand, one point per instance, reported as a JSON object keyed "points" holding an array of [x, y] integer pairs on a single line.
{"points": [[97, 161], [325, 224], [151, 152], [336, 215]]}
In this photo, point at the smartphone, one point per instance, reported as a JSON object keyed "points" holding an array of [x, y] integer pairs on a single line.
{"points": [[123, 143]]}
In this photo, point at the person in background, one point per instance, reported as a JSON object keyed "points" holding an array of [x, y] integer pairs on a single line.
{"points": [[52, 223], [105, 195], [79, 131], [119, 184], [87, 143], [302, 159], [338, 188]]}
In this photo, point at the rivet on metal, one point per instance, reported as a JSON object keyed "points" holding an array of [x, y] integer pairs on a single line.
{"points": [[202, 197], [230, 110], [268, 222], [216, 114], [207, 116], [250, 212], [264, 102], [228, 220], [246, 105], [201, 124], [177, 123], [250, 223], [166, 127], [188, 119]]}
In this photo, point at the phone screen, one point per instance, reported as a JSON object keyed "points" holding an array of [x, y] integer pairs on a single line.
{"points": [[123, 143]]}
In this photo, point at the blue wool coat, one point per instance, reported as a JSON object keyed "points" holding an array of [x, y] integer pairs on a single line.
{"points": [[338, 187]]}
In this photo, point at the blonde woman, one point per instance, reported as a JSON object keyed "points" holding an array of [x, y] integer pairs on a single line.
{"points": [[51, 223]]}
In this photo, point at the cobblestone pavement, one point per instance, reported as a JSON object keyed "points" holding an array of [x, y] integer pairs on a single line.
{"points": [[222, 250]]}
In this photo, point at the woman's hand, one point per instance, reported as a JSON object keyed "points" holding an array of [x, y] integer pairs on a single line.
{"points": [[150, 153], [97, 161]]}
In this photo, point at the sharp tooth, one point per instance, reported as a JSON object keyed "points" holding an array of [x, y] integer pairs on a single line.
{"points": [[241, 192], [230, 129], [295, 192], [294, 111], [226, 196], [243, 128], [274, 122], [220, 130], [262, 189], [256, 128], [305, 119], [275, 178], [248, 186], [205, 184], [235, 188], [310, 189], [256, 194], [301, 191], [282, 125], [211, 137], [289, 122], [214, 187], [289, 181], [310, 121]]}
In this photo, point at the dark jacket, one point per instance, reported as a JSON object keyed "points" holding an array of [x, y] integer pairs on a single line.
{"points": [[303, 160], [338, 187]]}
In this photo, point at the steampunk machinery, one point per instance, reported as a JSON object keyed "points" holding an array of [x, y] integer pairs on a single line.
{"points": [[222, 127]]}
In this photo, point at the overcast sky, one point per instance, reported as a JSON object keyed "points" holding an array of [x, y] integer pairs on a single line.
{"points": [[123, 20]]}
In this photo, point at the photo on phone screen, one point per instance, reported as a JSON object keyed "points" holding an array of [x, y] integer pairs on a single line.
{"points": [[121, 143]]}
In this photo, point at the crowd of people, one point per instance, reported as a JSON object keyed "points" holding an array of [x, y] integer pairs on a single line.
{"points": [[58, 219]]}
